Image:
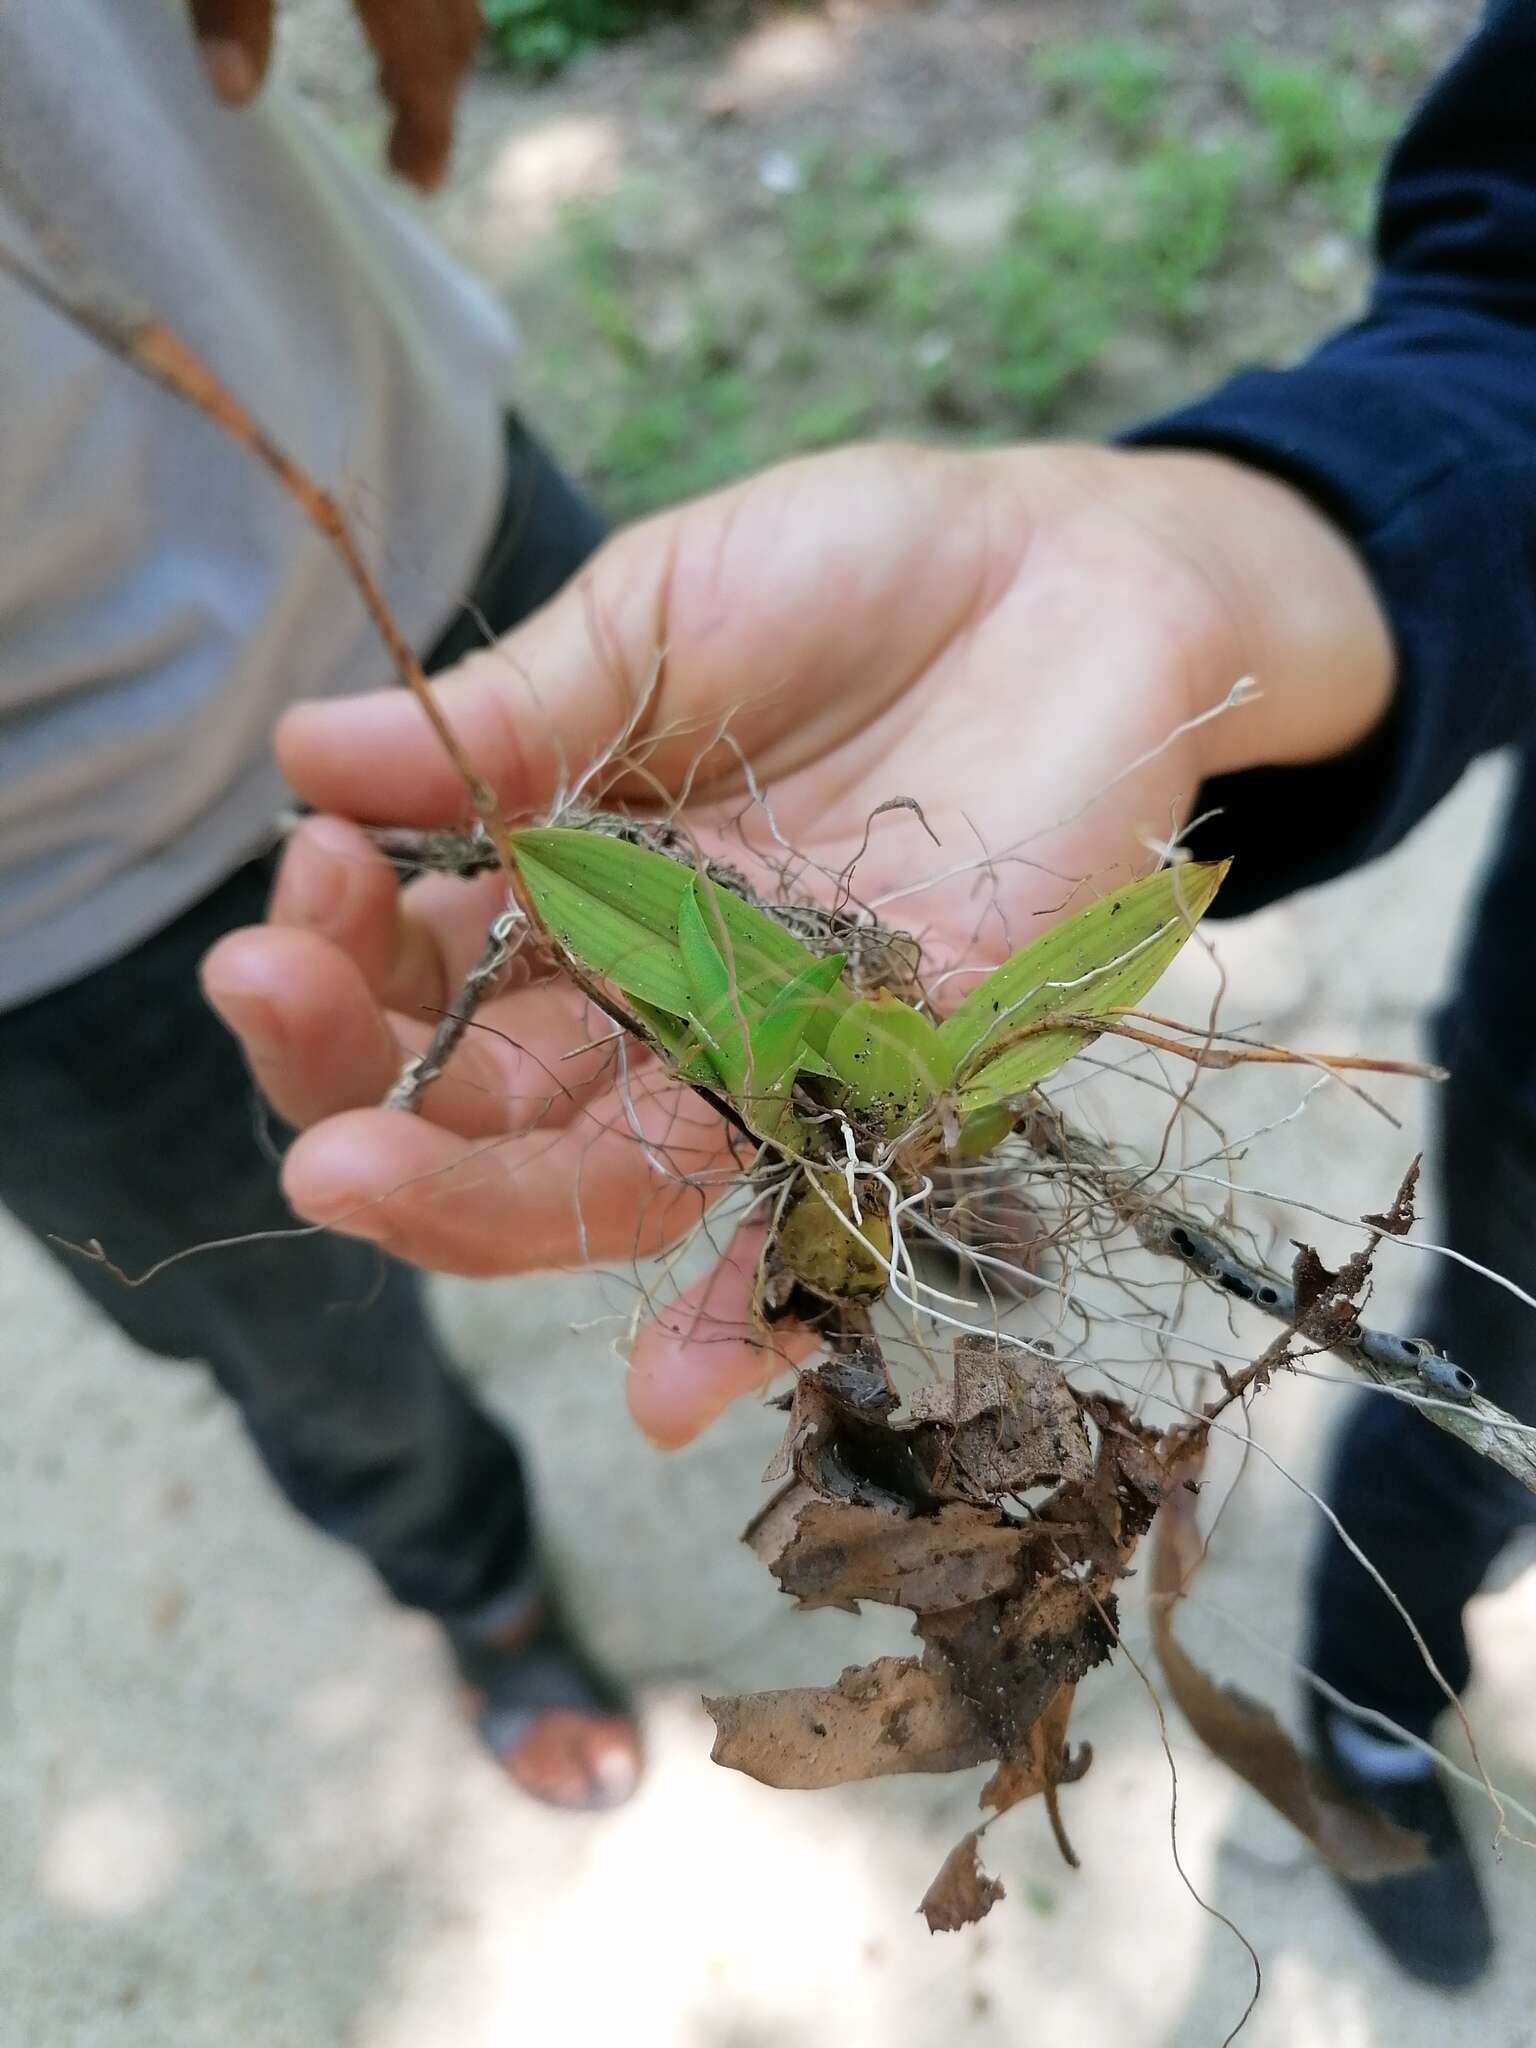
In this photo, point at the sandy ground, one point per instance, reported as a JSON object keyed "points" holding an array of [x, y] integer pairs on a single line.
{"points": [[237, 1802]]}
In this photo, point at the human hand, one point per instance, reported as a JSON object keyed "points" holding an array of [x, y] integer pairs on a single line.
{"points": [[1024, 643], [424, 48]]}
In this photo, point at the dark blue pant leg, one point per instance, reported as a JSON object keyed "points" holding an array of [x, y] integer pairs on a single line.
{"points": [[1429, 1513], [126, 1114]]}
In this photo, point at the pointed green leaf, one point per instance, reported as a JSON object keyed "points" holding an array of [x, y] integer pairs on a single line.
{"points": [[982, 1132], [679, 1041], [729, 1021], [776, 1050], [709, 978], [778, 1037], [608, 938], [603, 898], [890, 1059], [1073, 970], [1016, 1071], [1105, 958], [760, 1083]]}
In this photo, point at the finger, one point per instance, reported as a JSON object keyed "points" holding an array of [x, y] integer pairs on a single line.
{"points": [[792, 607], [309, 1008], [703, 1351], [622, 1181], [413, 947], [423, 49], [374, 756], [235, 41], [317, 1042], [333, 881]]}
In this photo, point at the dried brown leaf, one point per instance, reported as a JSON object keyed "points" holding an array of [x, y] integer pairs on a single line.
{"points": [[890, 1716], [1360, 1844], [1045, 1761], [1010, 1657], [840, 1442], [1399, 1219], [834, 1554], [1310, 1279], [1006, 1422], [962, 1891], [1017, 1424], [933, 1401]]}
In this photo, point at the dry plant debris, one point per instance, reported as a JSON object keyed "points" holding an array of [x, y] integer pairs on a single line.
{"points": [[1013, 1604]]}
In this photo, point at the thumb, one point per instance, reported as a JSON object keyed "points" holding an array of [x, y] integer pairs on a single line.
{"points": [[794, 604], [530, 713]]}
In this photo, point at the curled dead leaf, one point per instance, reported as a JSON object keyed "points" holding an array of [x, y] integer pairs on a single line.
{"points": [[840, 1442], [1010, 1656], [889, 1716], [834, 1553], [1360, 1844], [1015, 1421], [962, 1892], [1012, 1609], [1044, 1762]]}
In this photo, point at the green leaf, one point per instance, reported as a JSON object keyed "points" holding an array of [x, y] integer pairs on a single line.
{"points": [[754, 1046], [616, 908], [1016, 1071], [670, 1033], [780, 1036], [983, 1131], [890, 1059], [679, 1041], [757, 1079], [622, 940], [1105, 958], [777, 1049], [709, 978]]}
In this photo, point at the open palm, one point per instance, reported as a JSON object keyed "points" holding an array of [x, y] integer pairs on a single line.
{"points": [[1021, 644]]}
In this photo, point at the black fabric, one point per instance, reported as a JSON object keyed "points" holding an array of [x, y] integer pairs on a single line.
{"points": [[1415, 431], [1433, 1922], [1428, 1512], [127, 1115]]}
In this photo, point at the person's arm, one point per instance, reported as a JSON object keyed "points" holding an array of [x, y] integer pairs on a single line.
{"points": [[1414, 432]]}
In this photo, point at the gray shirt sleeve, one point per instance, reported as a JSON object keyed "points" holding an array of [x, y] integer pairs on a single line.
{"points": [[161, 601]]}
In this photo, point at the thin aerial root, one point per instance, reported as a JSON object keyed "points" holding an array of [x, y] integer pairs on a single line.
{"points": [[423, 1068]]}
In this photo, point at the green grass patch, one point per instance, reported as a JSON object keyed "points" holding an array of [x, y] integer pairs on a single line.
{"points": [[1326, 131], [1150, 228], [1120, 81], [843, 227], [538, 37]]}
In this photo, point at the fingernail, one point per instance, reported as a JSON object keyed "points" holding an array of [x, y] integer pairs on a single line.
{"points": [[230, 70]]}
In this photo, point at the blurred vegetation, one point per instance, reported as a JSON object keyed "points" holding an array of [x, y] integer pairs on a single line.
{"points": [[1165, 212], [539, 36]]}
